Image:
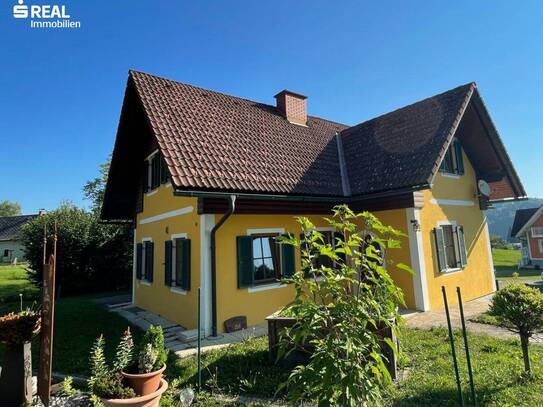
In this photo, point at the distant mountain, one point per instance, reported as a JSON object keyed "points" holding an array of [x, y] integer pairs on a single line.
{"points": [[500, 218]]}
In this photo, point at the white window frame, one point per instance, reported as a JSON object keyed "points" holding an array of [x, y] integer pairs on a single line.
{"points": [[143, 280], [537, 231], [453, 223], [264, 287], [175, 288], [540, 245]]}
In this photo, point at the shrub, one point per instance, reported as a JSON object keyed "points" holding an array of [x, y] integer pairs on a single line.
{"points": [[521, 309], [339, 306], [92, 256], [152, 355]]}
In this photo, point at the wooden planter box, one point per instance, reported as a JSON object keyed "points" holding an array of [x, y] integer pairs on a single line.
{"points": [[277, 323]]}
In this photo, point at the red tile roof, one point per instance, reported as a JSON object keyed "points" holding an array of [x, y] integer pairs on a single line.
{"points": [[213, 141]]}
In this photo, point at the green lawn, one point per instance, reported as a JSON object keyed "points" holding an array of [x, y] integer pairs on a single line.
{"points": [[14, 281], [78, 321], [505, 264]]}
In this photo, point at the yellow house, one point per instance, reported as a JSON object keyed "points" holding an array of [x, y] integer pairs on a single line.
{"points": [[209, 180]]}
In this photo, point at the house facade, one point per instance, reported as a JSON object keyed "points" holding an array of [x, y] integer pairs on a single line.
{"points": [[11, 248], [209, 180], [528, 228]]}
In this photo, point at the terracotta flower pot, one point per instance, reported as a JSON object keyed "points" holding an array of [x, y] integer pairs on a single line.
{"points": [[144, 383], [149, 400]]}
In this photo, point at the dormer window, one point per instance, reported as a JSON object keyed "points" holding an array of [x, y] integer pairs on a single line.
{"points": [[156, 173], [453, 162]]}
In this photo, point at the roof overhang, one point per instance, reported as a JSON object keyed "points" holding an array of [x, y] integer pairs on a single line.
{"points": [[484, 146], [530, 222]]}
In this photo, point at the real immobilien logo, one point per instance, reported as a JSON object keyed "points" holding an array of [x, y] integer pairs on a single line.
{"points": [[45, 15]]}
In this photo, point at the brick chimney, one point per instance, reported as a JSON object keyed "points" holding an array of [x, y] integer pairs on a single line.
{"points": [[292, 106]]}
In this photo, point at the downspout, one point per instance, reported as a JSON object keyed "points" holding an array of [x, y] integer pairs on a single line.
{"points": [[229, 212]]}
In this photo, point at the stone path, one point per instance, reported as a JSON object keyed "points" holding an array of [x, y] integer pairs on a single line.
{"points": [[184, 342], [427, 320]]}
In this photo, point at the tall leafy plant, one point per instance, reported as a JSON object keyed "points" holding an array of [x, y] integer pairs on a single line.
{"points": [[339, 308]]}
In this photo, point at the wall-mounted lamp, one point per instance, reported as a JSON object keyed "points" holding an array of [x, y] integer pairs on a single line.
{"points": [[416, 225]]}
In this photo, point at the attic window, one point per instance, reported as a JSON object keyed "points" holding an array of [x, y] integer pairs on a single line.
{"points": [[453, 162], [157, 173]]}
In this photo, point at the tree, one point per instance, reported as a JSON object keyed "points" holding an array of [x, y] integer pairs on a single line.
{"points": [[9, 208], [91, 256], [339, 309], [94, 189], [520, 308]]}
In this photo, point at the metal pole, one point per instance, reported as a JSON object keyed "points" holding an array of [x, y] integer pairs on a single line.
{"points": [[453, 352], [199, 345], [470, 372]]}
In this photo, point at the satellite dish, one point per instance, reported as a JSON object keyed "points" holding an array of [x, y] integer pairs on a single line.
{"points": [[484, 188]]}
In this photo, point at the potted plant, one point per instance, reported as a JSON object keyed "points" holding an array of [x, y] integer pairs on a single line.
{"points": [[144, 375], [16, 331], [107, 384]]}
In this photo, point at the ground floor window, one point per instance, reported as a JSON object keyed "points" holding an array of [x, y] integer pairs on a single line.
{"points": [[540, 242], [145, 261], [177, 263], [450, 247], [262, 259]]}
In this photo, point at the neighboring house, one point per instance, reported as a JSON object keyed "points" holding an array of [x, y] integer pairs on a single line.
{"points": [[528, 227], [11, 247], [209, 180]]}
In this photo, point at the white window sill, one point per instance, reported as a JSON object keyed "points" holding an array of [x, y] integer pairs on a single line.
{"points": [[178, 290], [145, 282], [265, 287], [154, 191], [452, 271], [451, 175]]}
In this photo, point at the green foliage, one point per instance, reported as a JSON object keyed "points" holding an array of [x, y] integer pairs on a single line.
{"points": [[97, 360], [147, 359], [123, 356], [68, 389], [152, 354], [340, 308], [94, 189], [105, 382], [496, 242], [92, 256], [111, 387], [520, 308], [9, 208]]}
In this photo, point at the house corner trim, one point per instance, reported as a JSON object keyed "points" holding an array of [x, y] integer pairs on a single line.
{"points": [[416, 249], [207, 222]]}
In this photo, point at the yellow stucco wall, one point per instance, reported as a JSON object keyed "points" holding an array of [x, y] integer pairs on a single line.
{"points": [[477, 278], [157, 297], [257, 305]]}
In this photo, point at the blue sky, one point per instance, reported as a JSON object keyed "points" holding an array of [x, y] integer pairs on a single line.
{"points": [[61, 90]]}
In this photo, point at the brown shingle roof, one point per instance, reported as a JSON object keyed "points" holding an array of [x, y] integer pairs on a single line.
{"points": [[212, 141], [402, 148]]}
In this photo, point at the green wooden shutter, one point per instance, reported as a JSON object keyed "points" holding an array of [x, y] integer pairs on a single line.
{"points": [[145, 176], [462, 246], [163, 171], [287, 260], [149, 261], [139, 258], [440, 248], [168, 262], [459, 158], [245, 261], [185, 263]]}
